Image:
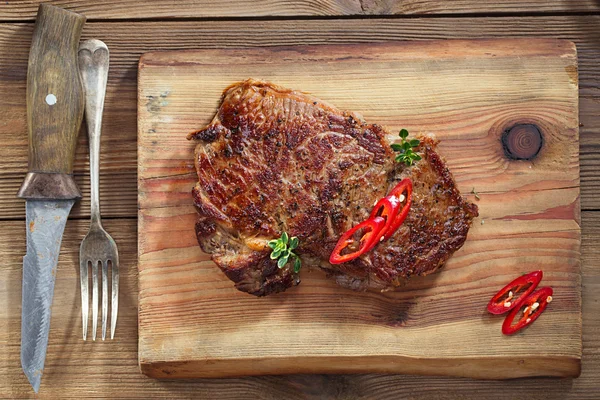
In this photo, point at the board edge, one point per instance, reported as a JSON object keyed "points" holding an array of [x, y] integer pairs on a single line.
{"points": [[484, 368]]}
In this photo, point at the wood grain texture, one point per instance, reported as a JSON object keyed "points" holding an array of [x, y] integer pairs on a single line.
{"points": [[52, 70], [110, 370], [132, 9], [77, 369], [193, 323], [54, 105], [127, 41]]}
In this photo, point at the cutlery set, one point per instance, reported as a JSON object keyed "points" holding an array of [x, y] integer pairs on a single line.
{"points": [[64, 79]]}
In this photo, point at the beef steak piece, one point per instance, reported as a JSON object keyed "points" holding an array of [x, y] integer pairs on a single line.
{"points": [[276, 160]]}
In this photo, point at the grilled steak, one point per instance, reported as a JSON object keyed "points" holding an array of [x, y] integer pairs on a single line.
{"points": [[275, 160]]}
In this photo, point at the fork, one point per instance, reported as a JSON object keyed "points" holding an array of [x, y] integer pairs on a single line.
{"points": [[98, 247]]}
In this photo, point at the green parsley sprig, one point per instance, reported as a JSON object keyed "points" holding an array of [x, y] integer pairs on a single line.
{"points": [[405, 147], [283, 248]]}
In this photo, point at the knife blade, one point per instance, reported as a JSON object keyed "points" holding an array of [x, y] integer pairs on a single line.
{"points": [[55, 104], [46, 221]]}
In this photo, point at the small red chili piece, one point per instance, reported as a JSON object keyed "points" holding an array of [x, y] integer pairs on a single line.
{"points": [[405, 185], [386, 208], [371, 228], [513, 294], [535, 305]]}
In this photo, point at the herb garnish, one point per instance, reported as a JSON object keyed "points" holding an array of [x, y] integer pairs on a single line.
{"points": [[283, 249], [405, 147]]}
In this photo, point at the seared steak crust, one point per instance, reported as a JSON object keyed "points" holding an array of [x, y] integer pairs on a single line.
{"points": [[436, 226], [275, 160]]}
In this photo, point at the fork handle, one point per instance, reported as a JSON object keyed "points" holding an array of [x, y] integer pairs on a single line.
{"points": [[93, 66]]}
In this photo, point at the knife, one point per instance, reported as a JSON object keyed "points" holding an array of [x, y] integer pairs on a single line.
{"points": [[55, 104]]}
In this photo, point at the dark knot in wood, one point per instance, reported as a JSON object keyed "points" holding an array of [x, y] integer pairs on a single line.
{"points": [[522, 142]]}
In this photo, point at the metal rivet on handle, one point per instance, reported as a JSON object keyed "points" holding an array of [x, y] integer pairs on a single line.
{"points": [[51, 99]]}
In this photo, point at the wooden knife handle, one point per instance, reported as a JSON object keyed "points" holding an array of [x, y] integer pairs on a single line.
{"points": [[55, 104]]}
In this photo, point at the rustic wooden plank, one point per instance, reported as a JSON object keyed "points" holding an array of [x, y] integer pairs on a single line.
{"points": [[469, 94], [585, 387], [25, 10], [74, 368], [128, 41], [77, 369]]}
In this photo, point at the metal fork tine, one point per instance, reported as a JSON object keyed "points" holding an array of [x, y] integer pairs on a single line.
{"points": [[104, 297], [94, 298], [115, 296], [85, 296]]}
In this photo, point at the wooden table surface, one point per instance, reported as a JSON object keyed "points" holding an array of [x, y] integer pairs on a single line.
{"points": [[77, 369]]}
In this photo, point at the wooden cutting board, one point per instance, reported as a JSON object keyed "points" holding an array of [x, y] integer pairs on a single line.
{"points": [[471, 94]]}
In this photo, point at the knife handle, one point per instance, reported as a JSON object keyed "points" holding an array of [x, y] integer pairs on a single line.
{"points": [[55, 104]]}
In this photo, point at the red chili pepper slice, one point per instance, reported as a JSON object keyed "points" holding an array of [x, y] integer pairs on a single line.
{"points": [[371, 228], [405, 185], [535, 304], [513, 294], [386, 208]]}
